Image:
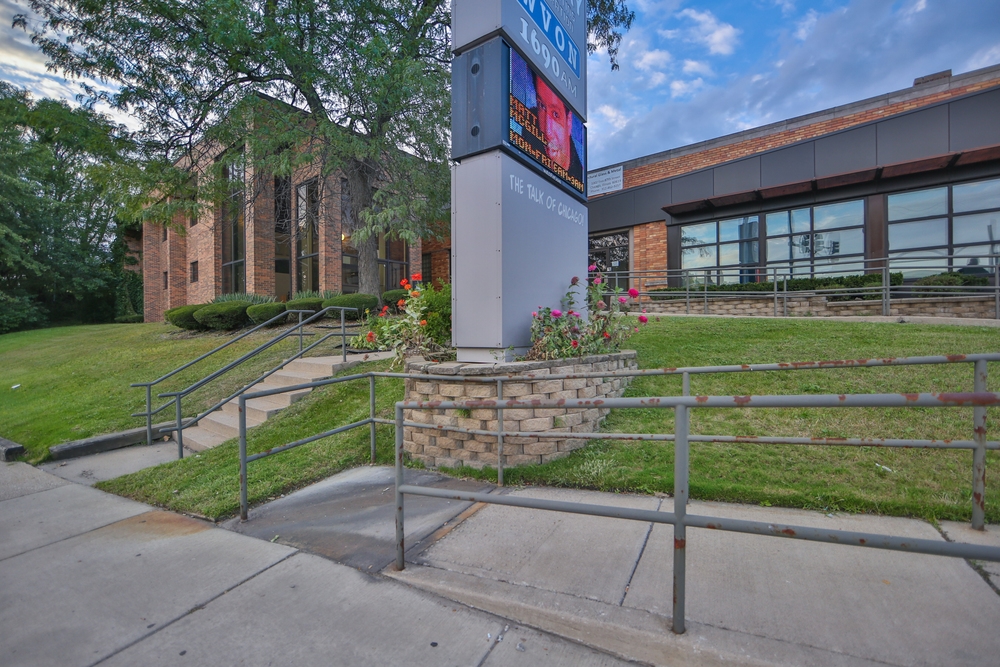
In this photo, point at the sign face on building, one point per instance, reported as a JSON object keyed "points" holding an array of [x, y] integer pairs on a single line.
{"points": [[543, 127], [552, 34], [605, 180]]}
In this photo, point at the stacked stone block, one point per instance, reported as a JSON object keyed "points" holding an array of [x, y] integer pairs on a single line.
{"points": [[436, 447], [817, 306]]}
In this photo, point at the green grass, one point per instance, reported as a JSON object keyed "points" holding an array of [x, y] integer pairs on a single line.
{"points": [[74, 381], [924, 483], [208, 484]]}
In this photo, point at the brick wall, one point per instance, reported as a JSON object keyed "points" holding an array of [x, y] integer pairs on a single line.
{"points": [[435, 447], [649, 247], [981, 307], [682, 164], [440, 252]]}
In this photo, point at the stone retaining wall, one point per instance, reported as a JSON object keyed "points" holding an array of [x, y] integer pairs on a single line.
{"points": [[439, 448], [818, 306]]}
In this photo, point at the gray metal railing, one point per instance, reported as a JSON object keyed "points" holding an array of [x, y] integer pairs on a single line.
{"points": [[978, 444], [701, 286], [176, 397], [679, 518]]}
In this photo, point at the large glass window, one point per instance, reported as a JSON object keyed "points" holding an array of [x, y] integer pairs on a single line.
{"points": [[234, 232], [945, 228], [283, 237], [307, 235], [726, 251], [609, 253], [822, 240]]}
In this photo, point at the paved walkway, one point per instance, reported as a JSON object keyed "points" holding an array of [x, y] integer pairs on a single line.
{"points": [[87, 578]]}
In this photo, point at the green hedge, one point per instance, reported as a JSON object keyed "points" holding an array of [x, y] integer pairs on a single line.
{"points": [[183, 317], [438, 312], [223, 316], [362, 302], [129, 319], [262, 312], [794, 285], [314, 304], [953, 279], [392, 297]]}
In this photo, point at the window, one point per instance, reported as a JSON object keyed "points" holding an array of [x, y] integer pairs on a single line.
{"points": [[233, 231], [426, 266], [307, 235], [283, 237], [610, 254], [728, 251], [164, 232], [164, 280], [823, 240], [393, 264], [194, 272], [945, 228]]}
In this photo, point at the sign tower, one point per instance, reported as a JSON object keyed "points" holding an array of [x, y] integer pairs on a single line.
{"points": [[518, 199]]}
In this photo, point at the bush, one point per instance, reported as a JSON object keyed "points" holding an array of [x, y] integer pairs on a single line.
{"points": [[392, 297], [183, 317], [955, 280], [19, 312], [316, 294], [255, 299], [314, 304], [129, 319], [223, 316], [262, 312], [362, 302], [438, 313]]}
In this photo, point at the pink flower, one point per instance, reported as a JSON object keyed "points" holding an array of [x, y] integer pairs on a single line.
{"points": [[644, 310], [637, 329], [575, 280], [577, 315], [643, 319], [592, 267], [597, 281], [556, 313], [622, 299], [634, 293], [534, 313], [601, 305]]}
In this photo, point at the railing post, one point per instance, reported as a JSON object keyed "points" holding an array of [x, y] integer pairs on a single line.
{"points": [[784, 299], [243, 458], [685, 384], [706, 292], [399, 482], [681, 428], [687, 293], [996, 289], [499, 433], [300, 332], [149, 414], [343, 343], [979, 453], [775, 292], [371, 412], [179, 433], [886, 311]]}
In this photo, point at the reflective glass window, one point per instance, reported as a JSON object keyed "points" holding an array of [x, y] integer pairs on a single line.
{"points": [[738, 229], [779, 249], [919, 204], [777, 223], [920, 234], [977, 196], [844, 242], [696, 258], [843, 214], [976, 228], [800, 220], [698, 234]]}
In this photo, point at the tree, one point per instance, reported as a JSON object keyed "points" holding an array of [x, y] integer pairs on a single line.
{"points": [[365, 86], [62, 188]]}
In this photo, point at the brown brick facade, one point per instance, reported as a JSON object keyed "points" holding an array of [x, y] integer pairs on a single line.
{"points": [[649, 247], [440, 253]]}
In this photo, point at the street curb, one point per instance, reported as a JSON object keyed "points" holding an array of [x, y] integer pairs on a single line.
{"points": [[10, 450], [104, 443]]}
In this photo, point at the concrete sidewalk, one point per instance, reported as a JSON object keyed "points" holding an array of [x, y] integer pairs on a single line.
{"points": [[750, 599], [87, 578]]}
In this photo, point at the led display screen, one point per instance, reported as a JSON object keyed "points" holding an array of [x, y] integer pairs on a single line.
{"points": [[543, 128]]}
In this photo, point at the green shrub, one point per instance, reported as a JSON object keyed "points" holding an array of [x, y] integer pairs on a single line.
{"points": [[262, 312], [314, 304], [438, 312], [249, 297], [316, 294], [19, 312], [129, 319], [224, 316], [362, 302], [392, 297], [183, 317], [955, 280]]}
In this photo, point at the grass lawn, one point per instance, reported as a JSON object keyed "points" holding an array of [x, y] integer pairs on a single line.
{"points": [[931, 483], [74, 381]]}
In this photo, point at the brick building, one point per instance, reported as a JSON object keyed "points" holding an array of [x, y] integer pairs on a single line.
{"points": [[910, 173], [271, 235]]}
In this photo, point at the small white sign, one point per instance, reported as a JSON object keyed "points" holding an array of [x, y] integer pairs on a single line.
{"points": [[605, 180]]}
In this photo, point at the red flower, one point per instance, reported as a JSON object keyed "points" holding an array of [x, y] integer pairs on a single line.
{"points": [[416, 277], [423, 323], [414, 294], [575, 344], [402, 283], [401, 303], [607, 335], [370, 337]]}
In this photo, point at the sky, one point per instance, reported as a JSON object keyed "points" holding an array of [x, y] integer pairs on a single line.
{"points": [[692, 71]]}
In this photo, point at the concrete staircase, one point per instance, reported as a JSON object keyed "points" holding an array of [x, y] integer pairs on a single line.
{"points": [[223, 424]]}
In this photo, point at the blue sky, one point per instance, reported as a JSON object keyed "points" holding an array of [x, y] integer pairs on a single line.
{"points": [[692, 71]]}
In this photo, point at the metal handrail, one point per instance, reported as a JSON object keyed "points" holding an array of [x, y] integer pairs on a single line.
{"points": [[179, 395]]}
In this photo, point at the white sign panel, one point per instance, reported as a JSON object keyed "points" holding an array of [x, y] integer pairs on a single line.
{"points": [[605, 180]]}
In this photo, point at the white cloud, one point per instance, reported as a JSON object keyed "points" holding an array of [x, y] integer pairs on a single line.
{"points": [[657, 79], [697, 67], [984, 58], [614, 116], [656, 59], [681, 88], [805, 27], [787, 6], [720, 38]]}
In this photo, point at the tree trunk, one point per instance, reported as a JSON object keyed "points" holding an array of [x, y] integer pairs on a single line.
{"points": [[361, 187], [368, 281]]}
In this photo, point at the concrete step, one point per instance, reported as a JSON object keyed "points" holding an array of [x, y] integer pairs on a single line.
{"points": [[283, 399], [288, 378], [327, 366], [226, 424], [257, 408], [199, 439]]}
